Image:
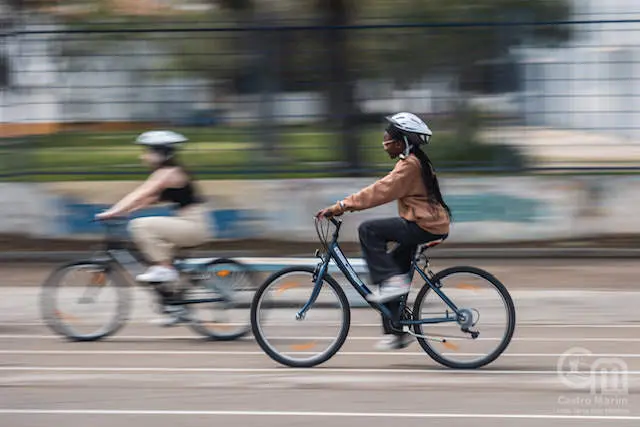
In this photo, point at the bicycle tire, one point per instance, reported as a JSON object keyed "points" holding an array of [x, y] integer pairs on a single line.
{"points": [[327, 354], [511, 315], [209, 333], [51, 316]]}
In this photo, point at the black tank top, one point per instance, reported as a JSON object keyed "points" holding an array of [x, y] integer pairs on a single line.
{"points": [[181, 196]]}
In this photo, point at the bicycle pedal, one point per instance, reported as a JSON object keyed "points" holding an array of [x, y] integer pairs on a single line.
{"points": [[473, 332]]}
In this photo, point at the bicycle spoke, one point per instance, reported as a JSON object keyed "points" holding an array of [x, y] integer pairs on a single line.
{"points": [[484, 324], [284, 333]]}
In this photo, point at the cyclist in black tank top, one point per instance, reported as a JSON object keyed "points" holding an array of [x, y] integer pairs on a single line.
{"points": [[182, 196], [169, 182]]}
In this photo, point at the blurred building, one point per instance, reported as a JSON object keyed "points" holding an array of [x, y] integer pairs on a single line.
{"points": [[591, 83], [587, 84]]}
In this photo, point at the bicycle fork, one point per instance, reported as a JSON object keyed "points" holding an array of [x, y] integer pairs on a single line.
{"points": [[318, 276]]}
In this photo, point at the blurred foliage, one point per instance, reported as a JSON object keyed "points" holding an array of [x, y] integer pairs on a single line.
{"points": [[405, 55], [222, 152], [464, 35], [4, 72], [465, 149], [467, 41], [456, 145]]}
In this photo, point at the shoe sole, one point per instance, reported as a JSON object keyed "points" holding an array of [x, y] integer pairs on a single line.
{"points": [[386, 298]]}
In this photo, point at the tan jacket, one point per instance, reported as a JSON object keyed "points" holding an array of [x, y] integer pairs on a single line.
{"points": [[405, 184]]}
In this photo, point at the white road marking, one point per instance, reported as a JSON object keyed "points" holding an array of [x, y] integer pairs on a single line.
{"points": [[145, 321], [149, 412], [566, 340], [286, 370], [261, 353]]}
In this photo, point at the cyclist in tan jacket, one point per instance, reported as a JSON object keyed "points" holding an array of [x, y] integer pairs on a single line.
{"points": [[423, 215]]}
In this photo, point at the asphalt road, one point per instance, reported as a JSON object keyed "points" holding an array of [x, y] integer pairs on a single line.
{"points": [[152, 376]]}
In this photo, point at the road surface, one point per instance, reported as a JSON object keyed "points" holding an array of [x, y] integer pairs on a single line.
{"points": [[152, 376]]}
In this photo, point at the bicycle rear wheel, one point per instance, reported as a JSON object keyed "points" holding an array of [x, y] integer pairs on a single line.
{"points": [[486, 308], [85, 301], [293, 341]]}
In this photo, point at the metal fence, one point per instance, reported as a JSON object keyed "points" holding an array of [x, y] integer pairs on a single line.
{"points": [[297, 100]]}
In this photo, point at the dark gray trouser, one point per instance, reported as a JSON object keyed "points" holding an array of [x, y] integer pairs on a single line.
{"points": [[374, 236]]}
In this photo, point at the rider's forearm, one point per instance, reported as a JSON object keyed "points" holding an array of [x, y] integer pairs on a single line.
{"points": [[131, 201], [149, 188], [124, 205], [142, 203], [370, 197]]}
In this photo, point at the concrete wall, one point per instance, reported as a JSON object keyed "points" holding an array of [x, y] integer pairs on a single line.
{"points": [[505, 209]]}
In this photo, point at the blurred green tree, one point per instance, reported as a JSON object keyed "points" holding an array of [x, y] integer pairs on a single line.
{"points": [[469, 41]]}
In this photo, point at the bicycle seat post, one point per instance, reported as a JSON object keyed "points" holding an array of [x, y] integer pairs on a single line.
{"points": [[421, 254]]}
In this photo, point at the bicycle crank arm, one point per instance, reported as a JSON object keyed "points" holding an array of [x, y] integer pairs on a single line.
{"points": [[442, 340], [474, 335]]}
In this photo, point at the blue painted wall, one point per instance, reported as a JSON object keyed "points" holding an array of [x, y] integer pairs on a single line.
{"points": [[76, 218]]}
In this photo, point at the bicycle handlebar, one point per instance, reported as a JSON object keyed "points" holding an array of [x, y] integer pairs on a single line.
{"points": [[117, 219], [333, 220]]}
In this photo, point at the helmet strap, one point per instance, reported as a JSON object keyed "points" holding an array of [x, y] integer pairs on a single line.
{"points": [[407, 148]]}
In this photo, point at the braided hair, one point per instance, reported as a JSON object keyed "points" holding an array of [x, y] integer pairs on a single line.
{"points": [[434, 195]]}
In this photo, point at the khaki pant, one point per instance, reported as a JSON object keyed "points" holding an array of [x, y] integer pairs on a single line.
{"points": [[159, 236]]}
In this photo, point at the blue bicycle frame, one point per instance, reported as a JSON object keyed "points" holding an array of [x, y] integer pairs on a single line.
{"points": [[335, 252], [130, 260]]}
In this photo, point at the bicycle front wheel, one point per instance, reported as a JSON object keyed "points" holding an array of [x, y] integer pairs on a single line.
{"points": [[227, 319], [291, 339], [85, 301], [482, 330]]}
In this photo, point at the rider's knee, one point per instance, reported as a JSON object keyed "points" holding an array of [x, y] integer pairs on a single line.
{"points": [[137, 226], [364, 229]]}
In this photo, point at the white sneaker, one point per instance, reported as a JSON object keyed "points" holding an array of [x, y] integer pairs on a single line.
{"points": [[157, 274], [394, 342], [393, 288]]}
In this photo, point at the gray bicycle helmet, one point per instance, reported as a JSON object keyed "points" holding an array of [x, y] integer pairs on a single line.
{"points": [[163, 142], [409, 123], [160, 138]]}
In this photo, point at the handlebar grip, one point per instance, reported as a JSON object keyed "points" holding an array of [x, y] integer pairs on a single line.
{"points": [[115, 220]]}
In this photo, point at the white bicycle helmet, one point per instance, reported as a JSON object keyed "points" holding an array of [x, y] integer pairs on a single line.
{"points": [[411, 124], [160, 138]]}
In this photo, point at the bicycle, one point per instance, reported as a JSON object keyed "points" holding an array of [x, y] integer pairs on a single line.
{"points": [[402, 319], [109, 268]]}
